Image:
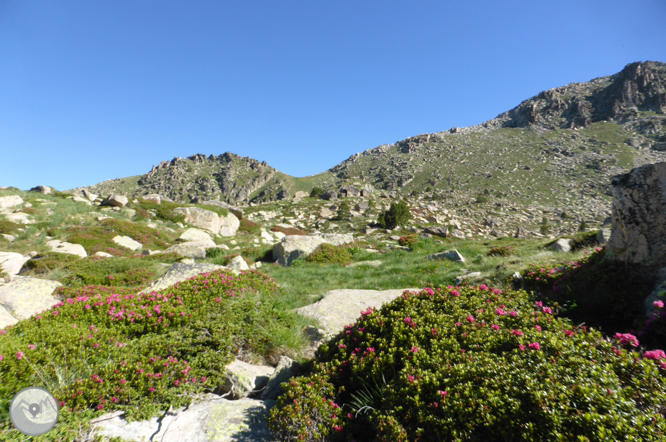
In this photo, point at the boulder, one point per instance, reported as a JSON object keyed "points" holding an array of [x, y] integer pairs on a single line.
{"points": [[638, 232], [211, 221], [301, 194], [603, 236], [561, 245], [192, 249], [24, 296], [65, 247], [452, 255], [80, 199], [267, 236], [19, 218], [194, 235], [238, 263], [180, 272], [326, 213], [6, 318], [243, 379], [154, 197], [11, 263], [46, 190], [285, 370], [442, 232], [521, 233], [89, 195], [104, 255], [127, 242], [114, 200], [210, 418], [461, 278], [10, 201], [341, 307], [237, 211], [365, 263], [292, 247], [330, 195], [457, 234], [9, 238]]}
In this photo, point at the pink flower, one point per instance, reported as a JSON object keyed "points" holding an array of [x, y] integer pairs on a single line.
{"points": [[517, 333], [408, 320], [535, 346], [495, 327], [470, 319], [513, 313], [654, 354], [2, 332], [442, 393], [337, 427], [152, 389], [455, 293], [483, 287], [500, 312], [569, 333], [458, 324], [548, 310], [31, 347], [538, 327], [522, 347], [415, 349], [114, 400], [538, 304], [627, 338], [658, 304], [410, 377], [123, 381], [1, 357], [434, 332], [19, 355]]}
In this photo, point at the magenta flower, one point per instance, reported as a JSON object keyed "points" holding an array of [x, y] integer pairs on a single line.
{"points": [[658, 304], [535, 346], [522, 347], [458, 324], [415, 349], [483, 287], [569, 333], [470, 319], [500, 312], [655, 355], [548, 310], [627, 338], [538, 327], [408, 320], [410, 377], [455, 293], [114, 400], [1, 357], [123, 381], [517, 333], [31, 347], [513, 313], [443, 393], [19, 355], [495, 327]]}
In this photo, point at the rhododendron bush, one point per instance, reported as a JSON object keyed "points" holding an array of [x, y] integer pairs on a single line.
{"points": [[473, 364], [105, 348]]}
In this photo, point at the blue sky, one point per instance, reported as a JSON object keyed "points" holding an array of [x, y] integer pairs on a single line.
{"points": [[96, 90]]}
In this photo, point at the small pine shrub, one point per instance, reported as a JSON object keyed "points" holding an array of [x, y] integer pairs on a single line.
{"points": [[481, 199], [564, 215], [583, 226], [397, 215], [500, 251], [473, 364], [316, 191], [344, 211], [544, 228]]}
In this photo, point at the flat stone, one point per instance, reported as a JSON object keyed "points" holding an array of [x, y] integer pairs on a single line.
{"points": [[561, 245], [115, 201], [365, 263], [19, 218], [238, 263], [213, 419], [457, 234], [10, 201], [65, 247], [194, 235], [341, 307], [461, 278], [452, 255], [24, 296], [180, 272], [104, 255], [11, 263], [10, 238], [127, 242]]}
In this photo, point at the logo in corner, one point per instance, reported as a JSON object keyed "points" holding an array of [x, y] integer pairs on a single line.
{"points": [[34, 411]]}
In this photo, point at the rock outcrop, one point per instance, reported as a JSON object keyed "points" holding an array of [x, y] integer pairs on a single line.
{"points": [[292, 247]]}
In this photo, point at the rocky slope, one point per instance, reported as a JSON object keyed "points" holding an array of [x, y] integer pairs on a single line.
{"points": [[558, 148]]}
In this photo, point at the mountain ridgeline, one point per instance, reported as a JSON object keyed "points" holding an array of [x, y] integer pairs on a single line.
{"points": [[561, 146]]}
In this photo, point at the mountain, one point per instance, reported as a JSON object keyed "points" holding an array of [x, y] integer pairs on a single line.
{"points": [[561, 146]]}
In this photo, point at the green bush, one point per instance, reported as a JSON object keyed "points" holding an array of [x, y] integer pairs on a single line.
{"points": [[472, 364], [544, 229], [397, 215], [163, 211], [105, 348], [408, 240], [330, 254], [344, 211], [289, 230], [481, 199], [583, 226], [316, 191]]}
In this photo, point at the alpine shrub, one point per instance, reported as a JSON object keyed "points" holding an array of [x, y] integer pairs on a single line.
{"points": [[408, 240], [398, 214], [500, 251], [316, 191], [473, 364]]}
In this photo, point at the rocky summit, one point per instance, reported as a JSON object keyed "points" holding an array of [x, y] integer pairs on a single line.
{"points": [[203, 300]]}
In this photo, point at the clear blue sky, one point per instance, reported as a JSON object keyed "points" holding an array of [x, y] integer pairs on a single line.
{"points": [[96, 90]]}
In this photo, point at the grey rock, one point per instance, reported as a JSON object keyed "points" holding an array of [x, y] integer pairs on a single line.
{"points": [[341, 307], [114, 200], [458, 234], [10, 238], [24, 296], [194, 235], [365, 263], [521, 233], [104, 255], [561, 245], [238, 263], [46, 190], [69, 248], [11, 263], [211, 419], [243, 379], [603, 236], [461, 278], [10, 201], [285, 370], [442, 232], [180, 272], [452, 255], [127, 242]]}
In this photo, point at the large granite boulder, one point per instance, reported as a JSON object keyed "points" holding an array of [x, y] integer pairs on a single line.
{"points": [[243, 379], [24, 297], [11, 263], [233, 209], [210, 418], [638, 232], [211, 221], [561, 245], [114, 200], [192, 249], [10, 201], [194, 235], [452, 255], [179, 272], [284, 371], [292, 247], [127, 242], [341, 307], [65, 247], [45, 190]]}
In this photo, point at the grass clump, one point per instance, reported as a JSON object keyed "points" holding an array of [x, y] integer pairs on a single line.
{"points": [[500, 251], [472, 364], [100, 238], [8, 227], [248, 226], [163, 211], [106, 348]]}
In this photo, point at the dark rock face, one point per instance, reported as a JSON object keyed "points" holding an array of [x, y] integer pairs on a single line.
{"points": [[638, 232]]}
